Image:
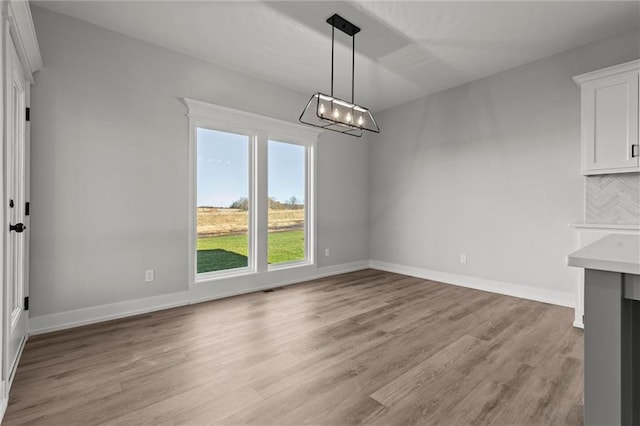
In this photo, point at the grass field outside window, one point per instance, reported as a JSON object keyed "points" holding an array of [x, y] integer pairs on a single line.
{"points": [[222, 241]]}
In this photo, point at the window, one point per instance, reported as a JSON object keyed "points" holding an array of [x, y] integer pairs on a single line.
{"points": [[222, 201], [252, 198], [287, 193]]}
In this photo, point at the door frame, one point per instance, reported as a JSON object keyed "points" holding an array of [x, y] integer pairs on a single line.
{"points": [[16, 170], [16, 26]]}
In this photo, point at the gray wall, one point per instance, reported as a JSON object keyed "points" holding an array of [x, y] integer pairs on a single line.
{"points": [[490, 169], [109, 166]]}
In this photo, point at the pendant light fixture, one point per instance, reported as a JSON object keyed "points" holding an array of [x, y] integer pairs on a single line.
{"points": [[331, 113]]}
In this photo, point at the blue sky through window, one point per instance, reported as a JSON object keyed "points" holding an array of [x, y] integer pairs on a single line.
{"points": [[286, 171], [223, 169]]}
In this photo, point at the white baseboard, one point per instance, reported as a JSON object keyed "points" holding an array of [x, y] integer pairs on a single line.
{"points": [[3, 406], [578, 320], [6, 384], [509, 289], [94, 314], [217, 296], [14, 368], [328, 271]]}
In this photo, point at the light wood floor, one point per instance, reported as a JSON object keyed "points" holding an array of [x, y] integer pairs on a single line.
{"points": [[365, 347]]}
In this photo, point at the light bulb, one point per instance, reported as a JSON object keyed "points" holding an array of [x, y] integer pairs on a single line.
{"points": [[360, 121], [336, 113], [321, 109], [348, 118]]}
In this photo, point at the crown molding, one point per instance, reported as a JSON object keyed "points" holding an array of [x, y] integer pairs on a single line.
{"points": [[18, 15]]}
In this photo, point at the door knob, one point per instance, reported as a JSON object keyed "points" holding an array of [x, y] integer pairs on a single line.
{"points": [[18, 227]]}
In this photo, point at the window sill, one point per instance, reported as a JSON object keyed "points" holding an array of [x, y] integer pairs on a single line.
{"points": [[288, 265], [221, 275]]}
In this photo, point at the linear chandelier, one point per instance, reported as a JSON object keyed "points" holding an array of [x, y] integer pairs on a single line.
{"points": [[331, 113]]}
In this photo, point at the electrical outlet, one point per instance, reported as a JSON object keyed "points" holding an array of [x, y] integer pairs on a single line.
{"points": [[326, 252], [149, 276], [463, 259]]}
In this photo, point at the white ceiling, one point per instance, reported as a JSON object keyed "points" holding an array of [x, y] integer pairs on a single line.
{"points": [[406, 49]]}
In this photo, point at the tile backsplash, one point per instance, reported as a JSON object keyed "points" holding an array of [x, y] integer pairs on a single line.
{"points": [[613, 199]]}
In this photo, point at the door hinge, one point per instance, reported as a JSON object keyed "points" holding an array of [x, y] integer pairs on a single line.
{"points": [[26, 303], [634, 151], [27, 209], [27, 114]]}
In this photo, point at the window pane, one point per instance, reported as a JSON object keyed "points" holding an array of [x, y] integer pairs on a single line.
{"points": [[223, 200], [286, 238]]}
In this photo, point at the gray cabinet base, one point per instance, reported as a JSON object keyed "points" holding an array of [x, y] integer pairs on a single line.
{"points": [[610, 348]]}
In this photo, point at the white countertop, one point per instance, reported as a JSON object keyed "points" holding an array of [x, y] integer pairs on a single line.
{"points": [[615, 252]]}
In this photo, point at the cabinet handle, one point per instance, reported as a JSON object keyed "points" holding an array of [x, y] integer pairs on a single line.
{"points": [[634, 151]]}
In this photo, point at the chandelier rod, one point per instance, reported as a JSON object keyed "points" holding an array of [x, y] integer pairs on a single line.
{"points": [[333, 30], [351, 30], [353, 64]]}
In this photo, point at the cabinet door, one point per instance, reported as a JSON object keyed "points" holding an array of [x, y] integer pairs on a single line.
{"points": [[610, 124]]}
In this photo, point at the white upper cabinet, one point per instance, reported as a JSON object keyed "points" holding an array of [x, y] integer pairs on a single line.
{"points": [[610, 119]]}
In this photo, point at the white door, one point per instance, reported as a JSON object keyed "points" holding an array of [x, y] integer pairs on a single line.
{"points": [[15, 196]]}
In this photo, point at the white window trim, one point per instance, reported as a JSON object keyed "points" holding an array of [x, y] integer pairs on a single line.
{"points": [[262, 129]]}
